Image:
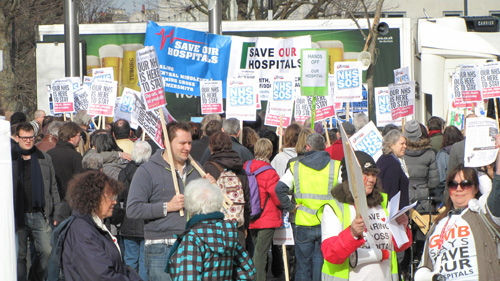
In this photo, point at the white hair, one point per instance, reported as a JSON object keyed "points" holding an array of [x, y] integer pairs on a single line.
{"points": [[360, 120], [202, 197], [141, 152]]}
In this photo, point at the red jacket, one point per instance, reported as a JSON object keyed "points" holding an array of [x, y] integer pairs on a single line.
{"points": [[336, 150], [267, 180]]}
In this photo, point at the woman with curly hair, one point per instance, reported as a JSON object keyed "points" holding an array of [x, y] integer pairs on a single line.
{"points": [[90, 251]]}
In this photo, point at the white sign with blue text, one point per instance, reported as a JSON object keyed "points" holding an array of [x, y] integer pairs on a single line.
{"points": [[241, 99], [126, 107], [348, 82], [368, 140]]}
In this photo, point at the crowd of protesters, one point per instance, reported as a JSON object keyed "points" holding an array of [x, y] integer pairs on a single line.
{"points": [[130, 220]]}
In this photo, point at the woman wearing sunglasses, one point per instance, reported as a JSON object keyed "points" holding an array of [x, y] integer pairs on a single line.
{"points": [[461, 243]]}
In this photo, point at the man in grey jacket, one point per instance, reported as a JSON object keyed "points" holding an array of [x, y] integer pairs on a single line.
{"points": [[152, 198]]}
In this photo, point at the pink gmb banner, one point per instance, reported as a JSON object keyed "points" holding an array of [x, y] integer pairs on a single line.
{"points": [[155, 98], [469, 96], [61, 107], [402, 111], [101, 109], [274, 120], [211, 108]]}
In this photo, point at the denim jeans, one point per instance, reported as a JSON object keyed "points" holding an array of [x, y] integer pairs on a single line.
{"points": [[308, 253], [36, 225], [156, 256], [134, 255]]}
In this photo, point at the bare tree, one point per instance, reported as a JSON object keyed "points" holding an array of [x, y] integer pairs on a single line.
{"points": [[18, 35], [95, 11]]}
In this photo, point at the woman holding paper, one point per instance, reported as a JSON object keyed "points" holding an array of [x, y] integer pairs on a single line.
{"points": [[350, 252], [461, 245], [393, 170]]}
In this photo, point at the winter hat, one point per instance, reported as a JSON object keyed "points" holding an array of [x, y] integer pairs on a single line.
{"points": [[365, 161], [412, 130], [348, 128]]}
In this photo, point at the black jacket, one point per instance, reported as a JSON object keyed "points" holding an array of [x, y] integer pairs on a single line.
{"points": [[198, 147], [89, 253], [129, 227], [67, 162]]}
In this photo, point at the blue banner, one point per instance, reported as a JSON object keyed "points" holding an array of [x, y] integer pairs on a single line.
{"points": [[188, 56]]}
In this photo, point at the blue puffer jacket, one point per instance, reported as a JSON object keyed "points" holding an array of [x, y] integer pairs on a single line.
{"points": [[89, 253]]}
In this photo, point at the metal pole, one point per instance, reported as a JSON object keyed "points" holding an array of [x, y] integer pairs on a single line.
{"points": [[71, 39], [466, 8], [215, 17]]}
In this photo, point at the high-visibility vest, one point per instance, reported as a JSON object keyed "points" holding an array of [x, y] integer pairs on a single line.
{"points": [[312, 189], [339, 272]]}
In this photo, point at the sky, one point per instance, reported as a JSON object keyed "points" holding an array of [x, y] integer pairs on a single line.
{"points": [[134, 5]]}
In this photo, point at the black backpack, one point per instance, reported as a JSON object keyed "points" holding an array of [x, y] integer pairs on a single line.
{"points": [[54, 267]]}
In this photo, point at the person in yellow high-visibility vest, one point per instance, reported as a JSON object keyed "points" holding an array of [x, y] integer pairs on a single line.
{"points": [[312, 179], [348, 256]]}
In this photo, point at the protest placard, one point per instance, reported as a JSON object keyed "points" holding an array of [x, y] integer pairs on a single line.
{"points": [[284, 234], [456, 93], [281, 102], [150, 78], [62, 96], [104, 73], [402, 75], [302, 109], [126, 107], [383, 108], [470, 83], [241, 99], [324, 108], [102, 97], [314, 72], [348, 82], [82, 98], [250, 74], [480, 150], [490, 80], [211, 97], [402, 98], [368, 140], [149, 120]]}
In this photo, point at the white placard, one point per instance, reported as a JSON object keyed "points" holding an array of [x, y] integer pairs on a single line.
{"points": [[402, 75], [104, 73], [490, 80], [480, 145], [211, 97], [383, 108], [314, 68], [126, 107], [470, 83], [348, 85], [402, 98], [368, 140], [102, 97], [241, 99], [82, 98], [62, 95], [150, 80], [281, 102]]}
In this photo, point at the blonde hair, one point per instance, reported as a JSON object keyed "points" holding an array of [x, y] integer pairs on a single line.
{"points": [[300, 147], [263, 148]]}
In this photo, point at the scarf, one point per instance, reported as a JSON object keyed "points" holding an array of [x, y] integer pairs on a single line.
{"points": [[190, 224], [433, 132], [37, 188], [103, 227]]}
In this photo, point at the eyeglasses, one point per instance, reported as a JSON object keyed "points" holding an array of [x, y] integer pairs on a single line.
{"points": [[465, 185], [25, 139], [112, 198]]}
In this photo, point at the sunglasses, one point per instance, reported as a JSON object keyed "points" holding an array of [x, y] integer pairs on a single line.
{"points": [[465, 185]]}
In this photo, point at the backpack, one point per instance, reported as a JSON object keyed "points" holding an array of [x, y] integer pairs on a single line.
{"points": [[232, 188], [254, 189], [57, 237]]}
